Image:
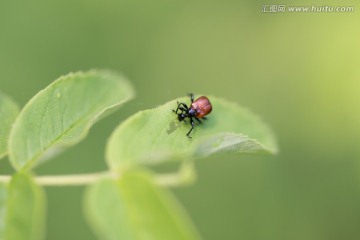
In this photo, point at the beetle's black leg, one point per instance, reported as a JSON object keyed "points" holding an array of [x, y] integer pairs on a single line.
{"points": [[182, 107], [192, 127], [205, 118], [191, 97], [199, 121], [176, 111]]}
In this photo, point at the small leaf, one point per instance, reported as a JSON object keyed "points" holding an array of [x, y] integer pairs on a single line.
{"points": [[25, 210], [134, 208], [8, 112], [61, 114], [156, 135], [3, 196]]}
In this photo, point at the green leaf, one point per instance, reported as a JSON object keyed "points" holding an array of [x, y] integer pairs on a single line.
{"points": [[3, 196], [8, 112], [156, 135], [61, 114], [134, 208], [25, 210]]}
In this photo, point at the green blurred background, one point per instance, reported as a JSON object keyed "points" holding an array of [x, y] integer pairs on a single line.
{"points": [[299, 71]]}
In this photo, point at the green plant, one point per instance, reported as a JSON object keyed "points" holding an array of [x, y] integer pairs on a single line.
{"points": [[129, 200]]}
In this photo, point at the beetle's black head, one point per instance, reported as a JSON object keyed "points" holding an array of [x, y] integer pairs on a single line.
{"points": [[181, 116]]}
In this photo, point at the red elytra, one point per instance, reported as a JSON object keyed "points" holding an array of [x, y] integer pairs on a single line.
{"points": [[202, 106]]}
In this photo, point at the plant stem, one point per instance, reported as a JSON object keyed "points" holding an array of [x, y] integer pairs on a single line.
{"points": [[73, 180], [170, 179], [67, 180]]}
